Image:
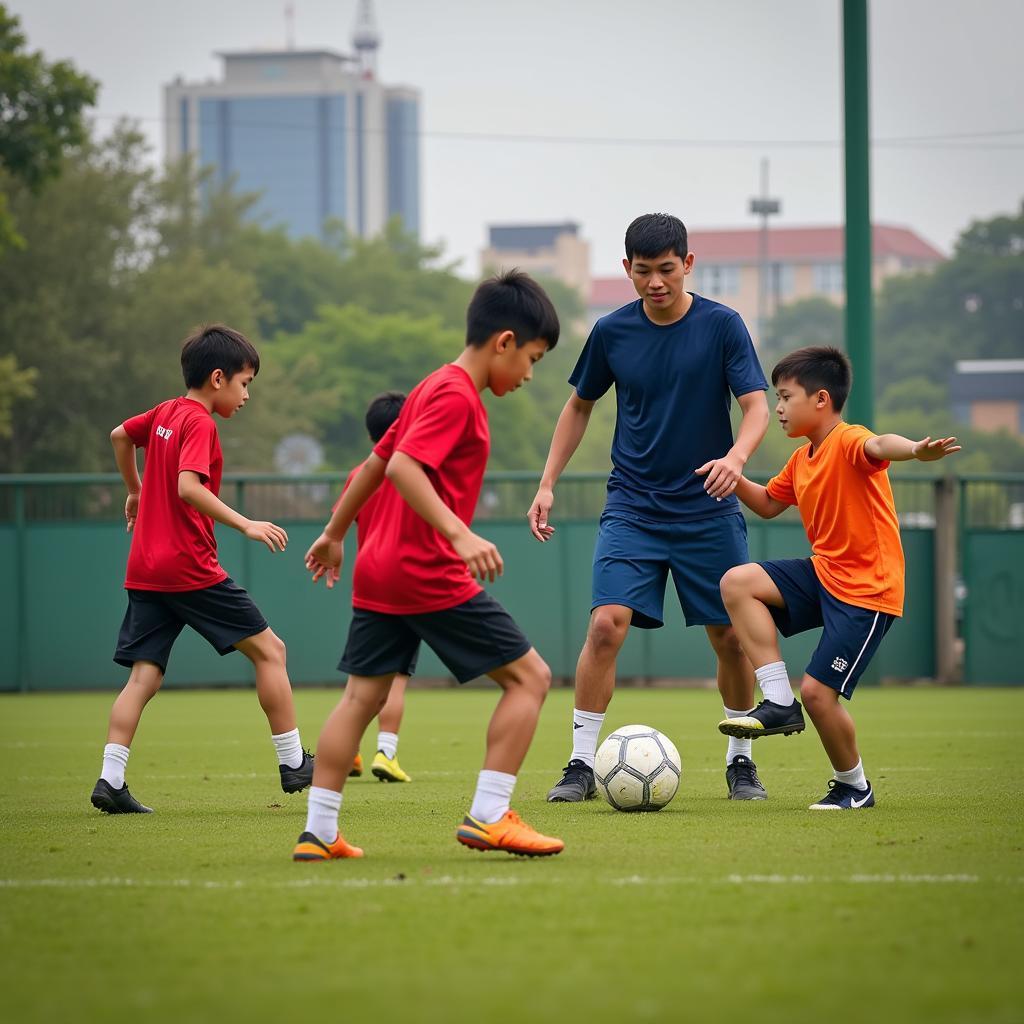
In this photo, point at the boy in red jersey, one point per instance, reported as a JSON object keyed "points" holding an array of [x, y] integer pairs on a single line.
{"points": [[416, 577], [174, 578], [380, 414], [852, 585]]}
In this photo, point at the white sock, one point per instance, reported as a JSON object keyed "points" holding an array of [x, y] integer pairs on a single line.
{"points": [[289, 748], [736, 745], [774, 682], [854, 777], [493, 795], [115, 760], [322, 813], [586, 727], [387, 743]]}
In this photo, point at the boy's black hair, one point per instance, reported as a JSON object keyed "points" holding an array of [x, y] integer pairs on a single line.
{"points": [[382, 412], [216, 347], [511, 301], [818, 368], [654, 233]]}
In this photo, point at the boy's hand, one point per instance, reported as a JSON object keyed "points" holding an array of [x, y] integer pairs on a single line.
{"points": [[324, 558], [481, 557], [538, 514], [267, 533], [723, 475], [928, 450], [131, 510]]}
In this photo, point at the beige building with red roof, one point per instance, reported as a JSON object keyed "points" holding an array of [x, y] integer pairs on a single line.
{"points": [[802, 262]]}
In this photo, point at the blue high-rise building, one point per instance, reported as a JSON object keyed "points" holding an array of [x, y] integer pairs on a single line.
{"points": [[312, 131]]}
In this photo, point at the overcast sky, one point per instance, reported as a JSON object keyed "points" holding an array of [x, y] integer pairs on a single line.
{"points": [[718, 74]]}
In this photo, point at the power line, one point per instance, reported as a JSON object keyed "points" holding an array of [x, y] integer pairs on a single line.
{"points": [[968, 141]]}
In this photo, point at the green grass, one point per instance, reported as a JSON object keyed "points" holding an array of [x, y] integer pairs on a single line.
{"points": [[909, 912]]}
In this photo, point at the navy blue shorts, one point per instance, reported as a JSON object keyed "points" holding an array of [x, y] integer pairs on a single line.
{"points": [[222, 615], [851, 635], [472, 639], [634, 556]]}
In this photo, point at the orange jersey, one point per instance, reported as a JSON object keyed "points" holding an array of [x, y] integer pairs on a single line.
{"points": [[847, 508]]}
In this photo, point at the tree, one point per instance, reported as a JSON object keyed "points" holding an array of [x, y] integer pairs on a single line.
{"points": [[41, 108]]}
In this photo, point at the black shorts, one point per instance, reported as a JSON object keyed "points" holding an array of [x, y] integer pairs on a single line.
{"points": [[472, 639], [222, 614]]}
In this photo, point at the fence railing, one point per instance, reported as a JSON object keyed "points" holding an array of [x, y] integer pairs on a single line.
{"points": [[62, 552]]}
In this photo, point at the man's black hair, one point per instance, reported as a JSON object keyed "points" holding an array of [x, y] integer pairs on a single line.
{"points": [[382, 412], [818, 368], [216, 347], [654, 233], [511, 301]]}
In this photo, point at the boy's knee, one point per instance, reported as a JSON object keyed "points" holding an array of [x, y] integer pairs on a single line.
{"points": [[608, 629], [725, 642], [817, 696], [735, 583], [268, 646]]}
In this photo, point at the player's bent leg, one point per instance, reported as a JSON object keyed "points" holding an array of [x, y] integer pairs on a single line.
{"points": [[339, 739], [848, 789], [748, 592], [269, 658]]}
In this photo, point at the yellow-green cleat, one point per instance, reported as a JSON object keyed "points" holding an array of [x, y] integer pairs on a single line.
{"points": [[387, 769]]}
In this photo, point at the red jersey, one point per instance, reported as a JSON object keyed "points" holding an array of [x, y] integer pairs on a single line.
{"points": [[173, 547], [405, 567], [368, 513]]}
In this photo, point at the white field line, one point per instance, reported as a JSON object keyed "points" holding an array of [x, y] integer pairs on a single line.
{"points": [[492, 881]]}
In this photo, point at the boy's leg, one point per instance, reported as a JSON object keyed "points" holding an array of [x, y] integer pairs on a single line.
{"points": [[490, 824], [110, 793], [385, 762], [335, 751], [850, 789]]}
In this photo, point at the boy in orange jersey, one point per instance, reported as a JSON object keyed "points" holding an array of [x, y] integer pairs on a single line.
{"points": [[380, 414], [852, 585], [415, 578]]}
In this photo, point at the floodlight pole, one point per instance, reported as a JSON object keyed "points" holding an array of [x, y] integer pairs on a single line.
{"points": [[763, 206], [859, 341]]}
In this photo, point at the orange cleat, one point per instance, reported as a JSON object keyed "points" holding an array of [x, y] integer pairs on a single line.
{"points": [[509, 833], [357, 767], [309, 847]]}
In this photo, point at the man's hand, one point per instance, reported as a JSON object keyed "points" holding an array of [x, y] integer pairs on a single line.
{"points": [[324, 558], [131, 510], [538, 514], [928, 450], [267, 533], [723, 475], [482, 558]]}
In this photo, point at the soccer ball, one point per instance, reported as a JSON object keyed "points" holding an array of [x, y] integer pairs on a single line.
{"points": [[637, 768]]}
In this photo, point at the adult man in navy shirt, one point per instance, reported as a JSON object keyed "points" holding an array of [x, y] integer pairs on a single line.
{"points": [[674, 358]]}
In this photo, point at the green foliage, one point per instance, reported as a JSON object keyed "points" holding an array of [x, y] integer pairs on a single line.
{"points": [[15, 384], [41, 108]]}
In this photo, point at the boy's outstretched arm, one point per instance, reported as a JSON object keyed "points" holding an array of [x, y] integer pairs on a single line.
{"points": [[569, 431], [124, 454], [480, 555], [325, 555], [896, 448], [192, 492]]}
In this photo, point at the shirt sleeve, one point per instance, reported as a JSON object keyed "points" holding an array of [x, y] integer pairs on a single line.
{"points": [[430, 438], [852, 443], [742, 369], [385, 447], [780, 487], [592, 376], [138, 428], [198, 434]]}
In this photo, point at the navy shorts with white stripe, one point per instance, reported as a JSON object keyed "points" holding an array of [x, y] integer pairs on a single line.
{"points": [[850, 637]]}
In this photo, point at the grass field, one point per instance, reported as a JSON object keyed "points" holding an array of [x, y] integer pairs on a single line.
{"points": [[708, 911]]}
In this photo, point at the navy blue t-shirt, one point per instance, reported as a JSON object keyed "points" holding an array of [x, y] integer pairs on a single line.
{"points": [[672, 393]]}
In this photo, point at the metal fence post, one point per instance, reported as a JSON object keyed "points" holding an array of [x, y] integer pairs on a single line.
{"points": [[946, 668], [21, 589]]}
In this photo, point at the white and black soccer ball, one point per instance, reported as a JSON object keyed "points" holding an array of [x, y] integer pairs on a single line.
{"points": [[637, 768]]}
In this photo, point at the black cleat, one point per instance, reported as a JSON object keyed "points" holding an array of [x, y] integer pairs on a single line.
{"points": [[767, 719], [116, 801], [741, 778], [575, 786], [294, 780]]}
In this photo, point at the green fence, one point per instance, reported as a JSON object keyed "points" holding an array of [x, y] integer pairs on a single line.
{"points": [[63, 550]]}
